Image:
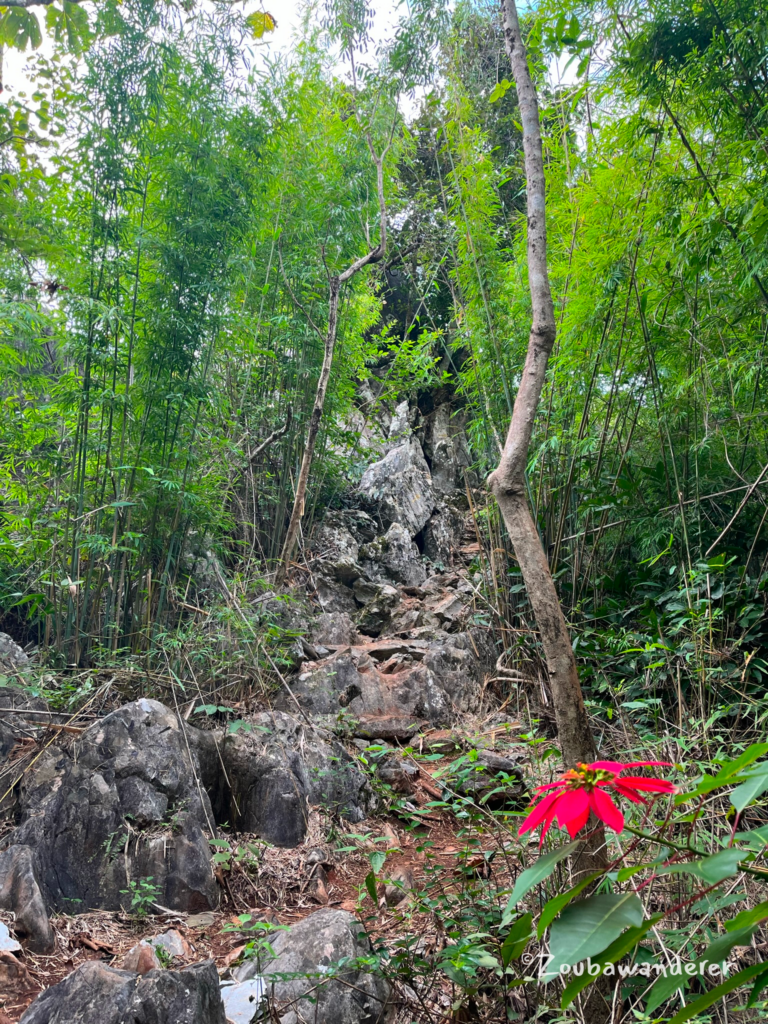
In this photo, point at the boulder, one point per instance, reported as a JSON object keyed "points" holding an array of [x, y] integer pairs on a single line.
{"points": [[393, 558], [319, 990], [242, 1000], [494, 780], [274, 771], [141, 959], [121, 802], [20, 893], [15, 980], [8, 944], [401, 486], [95, 994]]}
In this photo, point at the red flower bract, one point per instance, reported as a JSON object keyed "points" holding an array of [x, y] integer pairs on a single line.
{"points": [[583, 789]]}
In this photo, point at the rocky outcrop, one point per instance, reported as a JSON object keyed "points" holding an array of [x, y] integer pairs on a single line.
{"points": [[314, 976], [432, 680], [95, 994], [20, 893], [400, 486], [120, 803]]}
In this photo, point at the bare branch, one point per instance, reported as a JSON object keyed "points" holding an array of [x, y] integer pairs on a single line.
{"points": [[274, 436]]}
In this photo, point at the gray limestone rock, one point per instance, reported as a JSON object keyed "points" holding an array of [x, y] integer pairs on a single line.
{"points": [[275, 770], [432, 680], [95, 994], [20, 893], [334, 629], [401, 485], [334, 541], [393, 558], [379, 600], [334, 596], [12, 657], [320, 990], [119, 803], [443, 534]]}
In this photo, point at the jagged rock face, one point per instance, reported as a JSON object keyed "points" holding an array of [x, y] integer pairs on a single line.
{"points": [[378, 600], [272, 773], [118, 804], [12, 657], [393, 558], [431, 680], [334, 542], [20, 893], [442, 534], [447, 450], [444, 463], [306, 951], [334, 628], [95, 994], [401, 485], [334, 596]]}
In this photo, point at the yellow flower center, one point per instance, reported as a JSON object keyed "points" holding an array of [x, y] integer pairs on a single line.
{"points": [[584, 777]]}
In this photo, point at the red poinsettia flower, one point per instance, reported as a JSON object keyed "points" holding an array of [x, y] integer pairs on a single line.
{"points": [[582, 790]]}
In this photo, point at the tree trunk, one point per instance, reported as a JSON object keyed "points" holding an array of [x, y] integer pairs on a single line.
{"points": [[334, 290], [291, 536], [507, 482]]}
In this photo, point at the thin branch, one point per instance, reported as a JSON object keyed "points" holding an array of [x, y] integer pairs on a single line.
{"points": [[274, 436]]}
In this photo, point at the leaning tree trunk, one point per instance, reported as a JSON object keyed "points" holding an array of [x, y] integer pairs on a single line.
{"points": [[507, 482], [335, 283]]}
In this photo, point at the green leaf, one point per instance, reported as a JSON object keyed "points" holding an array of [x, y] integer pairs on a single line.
{"points": [[618, 949], [748, 917], [756, 840], [750, 755], [720, 866], [717, 951], [710, 869], [626, 873], [664, 988], [260, 23], [19, 28], [377, 859], [589, 926], [760, 983], [68, 23], [499, 90], [553, 907], [518, 937], [370, 885], [755, 785], [714, 995], [531, 877]]}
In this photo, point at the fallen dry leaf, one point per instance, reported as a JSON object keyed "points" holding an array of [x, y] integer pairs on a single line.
{"points": [[233, 955]]}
